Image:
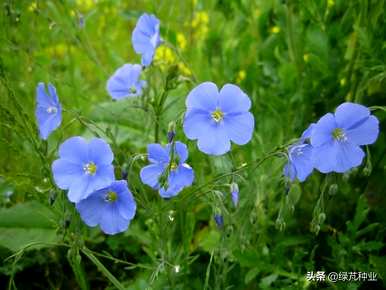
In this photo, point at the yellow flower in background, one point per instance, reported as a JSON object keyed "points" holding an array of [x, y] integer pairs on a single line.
{"points": [[200, 24], [184, 69], [181, 41], [275, 29], [241, 75], [85, 5], [59, 50], [342, 82], [164, 56], [306, 57], [33, 6], [330, 3]]}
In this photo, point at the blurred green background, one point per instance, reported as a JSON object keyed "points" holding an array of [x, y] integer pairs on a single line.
{"points": [[297, 60]]}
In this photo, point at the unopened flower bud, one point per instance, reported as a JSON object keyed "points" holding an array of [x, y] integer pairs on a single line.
{"points": [[52, 197], [333, 189], [218, 218], [321, 217], [124, 174], [235, 193], [171, 131]]}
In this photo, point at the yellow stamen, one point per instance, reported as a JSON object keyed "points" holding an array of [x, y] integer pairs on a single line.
{"points": [[90, 168], [217, 115], [111, 196]]}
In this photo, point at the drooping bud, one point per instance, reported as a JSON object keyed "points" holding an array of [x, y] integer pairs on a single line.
{"points": [[171, 131], [333, 189], [235, 193], [321, 218], [52, 197], [218, 218], [124, 174]]}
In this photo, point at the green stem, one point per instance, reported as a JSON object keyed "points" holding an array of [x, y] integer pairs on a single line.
{"points": [[103, 269]]}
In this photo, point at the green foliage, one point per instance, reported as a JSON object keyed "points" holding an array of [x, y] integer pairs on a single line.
{"points": [[27, 225], [296, 60]]}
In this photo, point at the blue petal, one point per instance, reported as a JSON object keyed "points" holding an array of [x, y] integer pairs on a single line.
{"points": [[79, 189], [111, 222], [349, 156], [125, 202], [183, 176], [233, 100], [66, 172], [337, 157], [100, 152], [181, 150], [42, 98], [53, 94], [307, 133], [147, 57], [366, 133], [157, 153], [215, 141], [145, 37], [103, 177], [289, 170], [150, 174], [171, 191], [303, 163], [47, 122], [322, 131], [120, 83], [239, 127], [196, 123], [91, 208], [203, 97], [74, 149], [348, 115]]}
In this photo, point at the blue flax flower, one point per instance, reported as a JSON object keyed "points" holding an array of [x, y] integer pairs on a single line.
{"points": [[299, 158], [83, 167], [125, 82], [336, 138], [168, 171], [146, 37], [215, 118], [112, 207], [48, 110]]}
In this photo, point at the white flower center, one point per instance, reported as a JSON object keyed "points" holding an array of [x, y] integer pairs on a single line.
{"points": [[339, 135], [90, 168], [52, 110], [217, 115]]}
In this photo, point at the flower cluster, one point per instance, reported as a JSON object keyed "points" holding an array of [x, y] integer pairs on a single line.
{"points": [[333, 143], [126, 82], [168, 171], [214, 117], [86, 170]]}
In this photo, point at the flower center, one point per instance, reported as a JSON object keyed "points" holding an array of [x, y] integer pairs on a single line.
{"points": [[52, 110], [133, 90], [111, 196], [173, 166], [298, 152], [338, 134], [90, 168], [217, 115]]}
